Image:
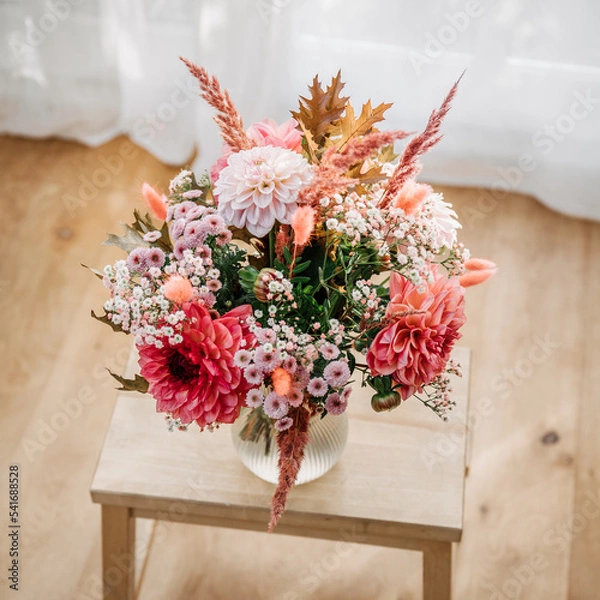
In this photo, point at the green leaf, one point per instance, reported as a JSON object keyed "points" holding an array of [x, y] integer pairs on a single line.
{"points": [[287, 255], [137, 384], [248, 277], [351, 361], [301, 267], [128, 242], [104, 319], [301, 280]]}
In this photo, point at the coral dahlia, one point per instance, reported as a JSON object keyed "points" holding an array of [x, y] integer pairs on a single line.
{"points": [[415, 347], [260, 186], [197, 379]]}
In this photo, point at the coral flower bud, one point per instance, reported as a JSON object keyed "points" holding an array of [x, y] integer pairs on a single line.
{"points": [[385, 401], [155, 201], [479, 264], [411, 195], [261, 285], [282, 381], [471, 278], [178, 289]]}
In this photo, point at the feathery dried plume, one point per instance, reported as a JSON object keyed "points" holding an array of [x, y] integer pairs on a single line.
{"points": [[282, 239], [330, 176], [291, 443], [227, 118], [409, 165], [471, 278], [303, 223]]}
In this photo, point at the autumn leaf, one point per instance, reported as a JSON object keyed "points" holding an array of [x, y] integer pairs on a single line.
{"points": [[322, 108], [128, 242], [387, 154], [309, 145], [137, 384], [350, 127], [104, 319], [97, 273]]}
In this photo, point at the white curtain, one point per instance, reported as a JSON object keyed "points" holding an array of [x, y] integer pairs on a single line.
{"points": [[527, 116]]}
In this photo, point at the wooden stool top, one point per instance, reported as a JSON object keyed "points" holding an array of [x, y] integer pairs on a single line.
{"points": [[400, 479]]}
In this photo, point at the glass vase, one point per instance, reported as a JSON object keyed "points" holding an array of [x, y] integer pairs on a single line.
{"points": [[327, 439]]}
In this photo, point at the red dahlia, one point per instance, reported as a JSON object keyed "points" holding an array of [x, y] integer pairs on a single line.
{"points": [[196, 379]]}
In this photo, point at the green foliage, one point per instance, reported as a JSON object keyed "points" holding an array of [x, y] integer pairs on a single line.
{"points": [[230, 260], [248, 276]]}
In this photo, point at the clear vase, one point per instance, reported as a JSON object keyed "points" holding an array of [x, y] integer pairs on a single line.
{"points": [[327, 440]]}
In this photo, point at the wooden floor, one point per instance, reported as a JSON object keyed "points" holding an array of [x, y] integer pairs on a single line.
{"points": [[532, 527]]}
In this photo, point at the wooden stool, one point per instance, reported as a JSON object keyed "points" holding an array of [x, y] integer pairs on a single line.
{"points": [[400, 483]]}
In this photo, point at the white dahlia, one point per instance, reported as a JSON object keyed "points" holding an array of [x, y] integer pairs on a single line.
{"points": [[444, 217], [260, 186]]}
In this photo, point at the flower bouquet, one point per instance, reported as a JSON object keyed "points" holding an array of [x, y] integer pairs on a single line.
{"points": [[259, 285]]}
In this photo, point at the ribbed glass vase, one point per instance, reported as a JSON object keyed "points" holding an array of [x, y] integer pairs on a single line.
{"points": [[327, 439]]}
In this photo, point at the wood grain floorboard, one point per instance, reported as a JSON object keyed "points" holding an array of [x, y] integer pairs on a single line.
{"points": [[532, 526]]}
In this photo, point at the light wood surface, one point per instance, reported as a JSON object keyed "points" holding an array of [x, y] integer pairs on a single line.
{"points": [[535, 451], [148, 468]]}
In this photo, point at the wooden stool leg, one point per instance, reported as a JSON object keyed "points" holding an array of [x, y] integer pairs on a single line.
{"points": [[437, 571], [118, 553]]}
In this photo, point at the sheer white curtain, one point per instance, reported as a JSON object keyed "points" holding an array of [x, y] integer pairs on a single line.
{"points": [[527, 116]]}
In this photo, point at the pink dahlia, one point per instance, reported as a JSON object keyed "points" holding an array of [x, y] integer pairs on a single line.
{"points": [[264, 133], [197, 380], [260, 186], [268, 133], [415, 347]]}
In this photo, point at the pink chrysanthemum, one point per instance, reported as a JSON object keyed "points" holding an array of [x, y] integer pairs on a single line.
{"points": [[242, 358], [196, 380], [330, 351], [253, 375], [317, 387], [337, 373], [194, 233], [180, 211], [415, 347], [301, 377], [155, 257], [283, 424], [260, 186], [295, 397], [289, 364], [335, 404], [275, 406], [267, 360], [137, 260], [254, 398]]}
